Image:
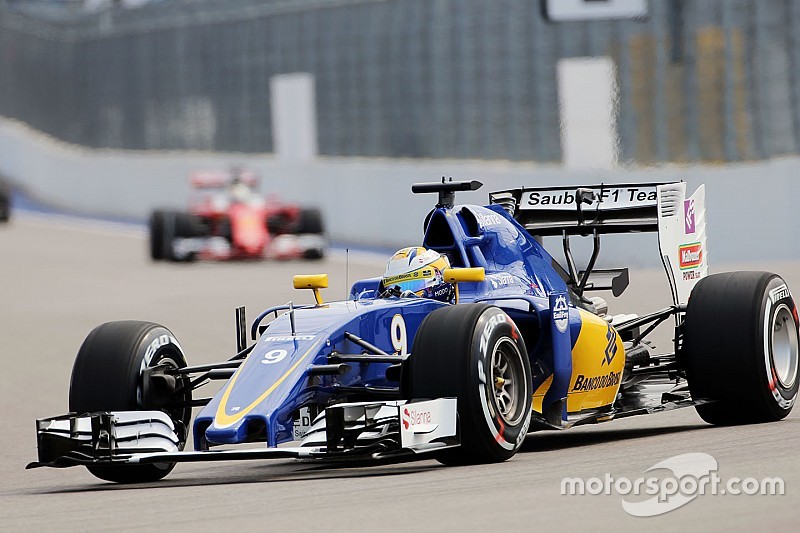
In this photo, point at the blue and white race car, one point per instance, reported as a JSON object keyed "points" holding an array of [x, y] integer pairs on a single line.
{"points": [[466, 344]]}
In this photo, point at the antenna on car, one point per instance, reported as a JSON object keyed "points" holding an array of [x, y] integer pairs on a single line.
{"points": [[446, 189], [346, 272]]}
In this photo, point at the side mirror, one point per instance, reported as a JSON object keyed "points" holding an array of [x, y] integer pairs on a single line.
{"points": [[460, 275], [315, 282]]}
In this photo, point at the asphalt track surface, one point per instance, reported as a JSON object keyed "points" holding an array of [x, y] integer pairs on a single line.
{"points": [[60, 278]]}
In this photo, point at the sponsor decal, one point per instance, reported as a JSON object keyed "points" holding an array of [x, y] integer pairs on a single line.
{"points": [[302, 423], [692, 275], [283, 338], [609, 197], [416, 274], [501, 280], [561, 314], [426, 422], [412, 417], [442, 292], [488, 220], [584, 384], [690, 255], [779, 293], [689, 224], [611, 347]]}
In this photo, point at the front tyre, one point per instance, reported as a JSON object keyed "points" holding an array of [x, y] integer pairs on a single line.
{"points": [[167, 227], [5, 202], [475, 353], [740, 347], [160, 237], [108, 376]]}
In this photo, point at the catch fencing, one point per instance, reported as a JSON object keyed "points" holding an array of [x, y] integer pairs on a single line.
{"points": [[698, 80]]}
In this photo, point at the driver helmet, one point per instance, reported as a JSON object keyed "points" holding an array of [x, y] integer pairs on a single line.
{"points": [[419, 271], [239, 190]]}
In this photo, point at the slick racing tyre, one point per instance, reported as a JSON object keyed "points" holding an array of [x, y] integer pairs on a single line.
{"points": [[5, 204], [165, 227], [280, 223], [475, 353], [108, 376], [310, 221], [740, 347], [159, 238]]}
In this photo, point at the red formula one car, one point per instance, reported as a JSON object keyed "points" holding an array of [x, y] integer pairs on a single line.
{"points": [[228, 219]]}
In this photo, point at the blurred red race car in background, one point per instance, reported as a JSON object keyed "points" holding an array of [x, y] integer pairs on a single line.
{"points": [[228, 219]]}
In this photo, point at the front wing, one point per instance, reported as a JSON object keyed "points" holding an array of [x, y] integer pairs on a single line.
{"points": [[348, 431]]}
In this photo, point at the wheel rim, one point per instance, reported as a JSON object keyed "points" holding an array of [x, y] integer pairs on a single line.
{"points": [[506, 385], [784, 340]]}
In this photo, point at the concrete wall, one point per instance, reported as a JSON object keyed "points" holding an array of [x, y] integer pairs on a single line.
{"points": [[752, 210]]}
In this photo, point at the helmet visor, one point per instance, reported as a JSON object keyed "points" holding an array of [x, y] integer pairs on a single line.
{"points": [[413, 285]]}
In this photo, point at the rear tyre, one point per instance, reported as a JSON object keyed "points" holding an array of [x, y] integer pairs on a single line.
{"points": [[476, 354], [314, 253], [279, 224], [5, 203], [740, 347], [5, 210], [310, 221], [107, 376]]}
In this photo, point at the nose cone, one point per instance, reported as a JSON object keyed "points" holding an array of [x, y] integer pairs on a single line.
{"points": [[247, 429]]}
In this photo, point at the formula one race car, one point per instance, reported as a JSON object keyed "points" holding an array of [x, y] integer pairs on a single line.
{"points": [[227, 219], [464, 345]]}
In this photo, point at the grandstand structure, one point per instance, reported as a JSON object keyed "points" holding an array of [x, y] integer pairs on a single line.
{"points": [[694, 80]]}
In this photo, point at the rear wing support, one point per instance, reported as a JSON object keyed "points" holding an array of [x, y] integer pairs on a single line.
{"points": [[579, 280]]}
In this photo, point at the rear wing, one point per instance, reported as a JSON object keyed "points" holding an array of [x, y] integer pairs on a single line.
{"points": [[546, 211], [220, 179], [619, 208]]}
